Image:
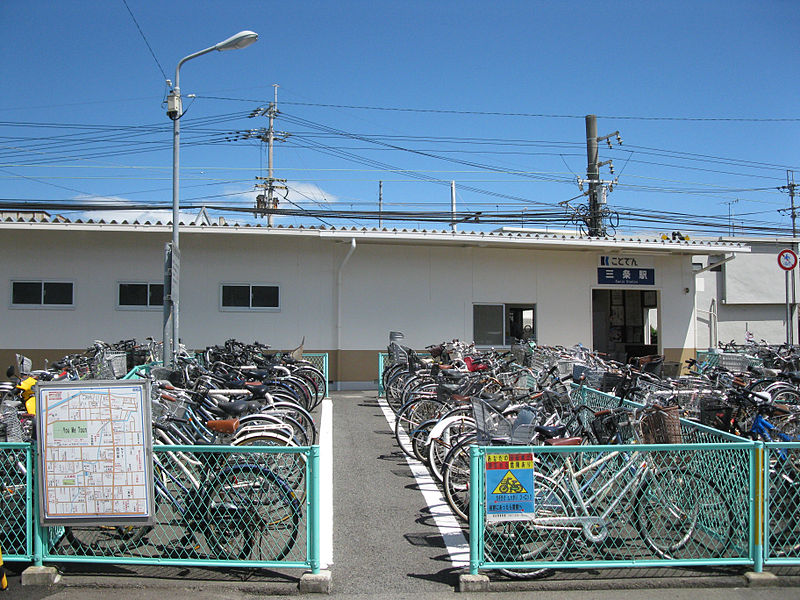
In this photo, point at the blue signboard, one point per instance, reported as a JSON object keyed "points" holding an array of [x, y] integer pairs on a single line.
{"points": [[509, 487], [625, 276]]}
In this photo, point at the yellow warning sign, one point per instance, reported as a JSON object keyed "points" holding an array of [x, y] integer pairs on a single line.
{"points": [[509, 485]]}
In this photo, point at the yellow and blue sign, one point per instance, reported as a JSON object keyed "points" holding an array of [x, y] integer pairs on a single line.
{"points": [[509, 487]]}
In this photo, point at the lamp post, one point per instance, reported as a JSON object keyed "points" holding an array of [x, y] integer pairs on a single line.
{"points": [[172, 253]]}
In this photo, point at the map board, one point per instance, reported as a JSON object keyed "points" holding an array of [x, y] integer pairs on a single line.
{"points": [[95, 452], [509, 487]]}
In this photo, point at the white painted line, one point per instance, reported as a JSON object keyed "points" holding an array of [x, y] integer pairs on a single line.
{"points": [[449, 528], [326, 483]]}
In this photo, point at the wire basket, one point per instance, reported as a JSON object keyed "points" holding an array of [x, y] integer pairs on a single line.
{"points": [[493, 427], [397, 353], [733, 361], [612, 426], [110, 364], [661, 425]]}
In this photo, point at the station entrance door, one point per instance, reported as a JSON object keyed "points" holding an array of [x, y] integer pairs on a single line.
{"points": [[625, 323]]}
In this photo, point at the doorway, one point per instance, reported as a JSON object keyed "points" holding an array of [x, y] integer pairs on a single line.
{"points": [[625, 323]]}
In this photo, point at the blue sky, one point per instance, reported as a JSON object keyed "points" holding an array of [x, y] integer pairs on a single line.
{"points": [[490, 95]]}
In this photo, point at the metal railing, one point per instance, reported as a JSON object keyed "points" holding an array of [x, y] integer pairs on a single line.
{"points": [[714, 499], [16, 501], [781, 469], [244, 506]]}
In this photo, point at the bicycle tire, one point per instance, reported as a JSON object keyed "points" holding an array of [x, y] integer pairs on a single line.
{"points": [[680, 514], [455, 478], [525, 541], [439, 447], [250, 513], [411, 416]]}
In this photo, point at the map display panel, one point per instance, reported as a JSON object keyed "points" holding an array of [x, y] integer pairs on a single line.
{"points": [[95, 452]]}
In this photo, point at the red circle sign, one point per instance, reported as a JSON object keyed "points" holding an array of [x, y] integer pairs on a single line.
{"points": [[787, 259]]}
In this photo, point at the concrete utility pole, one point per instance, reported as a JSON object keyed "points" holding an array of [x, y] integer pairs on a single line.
{"points": [[453, 206], [593, 177], [380, 205], [597, 191], [273, 108]]}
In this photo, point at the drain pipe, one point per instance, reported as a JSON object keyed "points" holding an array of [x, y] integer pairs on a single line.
{"points": [[339, 312]]}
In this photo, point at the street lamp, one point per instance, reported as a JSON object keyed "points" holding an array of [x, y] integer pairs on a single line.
{"points": [[172, 254]]}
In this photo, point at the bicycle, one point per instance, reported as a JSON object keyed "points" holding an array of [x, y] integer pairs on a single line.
{"points": [[675, 510]]}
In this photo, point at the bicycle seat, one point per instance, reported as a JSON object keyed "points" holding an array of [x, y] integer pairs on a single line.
{"points": [[228, 426], [496, 401], [571, 441], [236, 408], [258, 389], [551, 431], [453, 374]]}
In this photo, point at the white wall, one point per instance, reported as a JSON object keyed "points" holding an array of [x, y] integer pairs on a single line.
{"points": [[425, 291]]}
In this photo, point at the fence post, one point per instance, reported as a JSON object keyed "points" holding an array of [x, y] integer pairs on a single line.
{"points": [[757, 511], [314, 512], [475, 520], [38, 530], [380, 374]]}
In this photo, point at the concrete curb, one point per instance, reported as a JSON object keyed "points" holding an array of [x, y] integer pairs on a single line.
{"points": [[40, 576], [762, 579], [316, 583]]}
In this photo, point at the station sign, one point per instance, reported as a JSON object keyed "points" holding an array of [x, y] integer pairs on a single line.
{"points": [[625, 270], [509, 487]]}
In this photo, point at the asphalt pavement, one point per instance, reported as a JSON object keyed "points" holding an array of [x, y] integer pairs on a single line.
{"points": [[387, 544]]}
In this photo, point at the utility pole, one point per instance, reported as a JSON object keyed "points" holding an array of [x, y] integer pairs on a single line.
{"points": [[593, 177], [453, 206], [380, 205], [273, 108], [269, 201], [597, 196]]}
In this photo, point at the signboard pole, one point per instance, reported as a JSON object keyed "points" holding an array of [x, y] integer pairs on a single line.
{"points": [[788, 313], [787, 260]]}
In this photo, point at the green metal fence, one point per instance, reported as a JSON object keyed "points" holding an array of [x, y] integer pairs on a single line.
{"points": [[616, 506], [16, 501], [735, 361], [699, 502], [244, 506], [782, 507]]}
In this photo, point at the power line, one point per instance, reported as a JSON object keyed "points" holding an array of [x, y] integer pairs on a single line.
{"points": [[514, 114], [153, 54]]}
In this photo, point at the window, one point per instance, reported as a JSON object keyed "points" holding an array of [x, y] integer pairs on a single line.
{"points": [[140, 295], [41, 294], [501, 324], [244, 296]]}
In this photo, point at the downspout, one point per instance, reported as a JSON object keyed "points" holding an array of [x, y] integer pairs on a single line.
{"points": [[339, 312]]}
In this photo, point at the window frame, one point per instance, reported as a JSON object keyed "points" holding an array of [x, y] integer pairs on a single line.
{"points": [[250, 286], [140, 307], [504, 331], [41, 304]]}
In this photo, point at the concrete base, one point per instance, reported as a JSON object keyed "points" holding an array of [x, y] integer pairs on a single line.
{"points": [[316, 583], [473, 583], [754, 579], [40, 576]]}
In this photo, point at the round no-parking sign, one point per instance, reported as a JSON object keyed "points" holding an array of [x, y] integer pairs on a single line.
{"points": [[787, 259]]}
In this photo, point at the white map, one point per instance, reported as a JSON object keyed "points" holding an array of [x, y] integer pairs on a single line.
{"points": [[94, 451]]}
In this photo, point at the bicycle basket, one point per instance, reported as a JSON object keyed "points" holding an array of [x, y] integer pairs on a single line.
{"points": [[491, 424], [661, 425], [716, 413]]}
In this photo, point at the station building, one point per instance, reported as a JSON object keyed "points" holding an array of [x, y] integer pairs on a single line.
{"points": [[67, 283]]}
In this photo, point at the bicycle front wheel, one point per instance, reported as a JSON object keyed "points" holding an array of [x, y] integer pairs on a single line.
{"points": [[539, 539], [680, 514], [250, 513]]}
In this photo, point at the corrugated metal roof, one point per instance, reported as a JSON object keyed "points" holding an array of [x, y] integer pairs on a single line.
{"points": [[202, 222]]}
